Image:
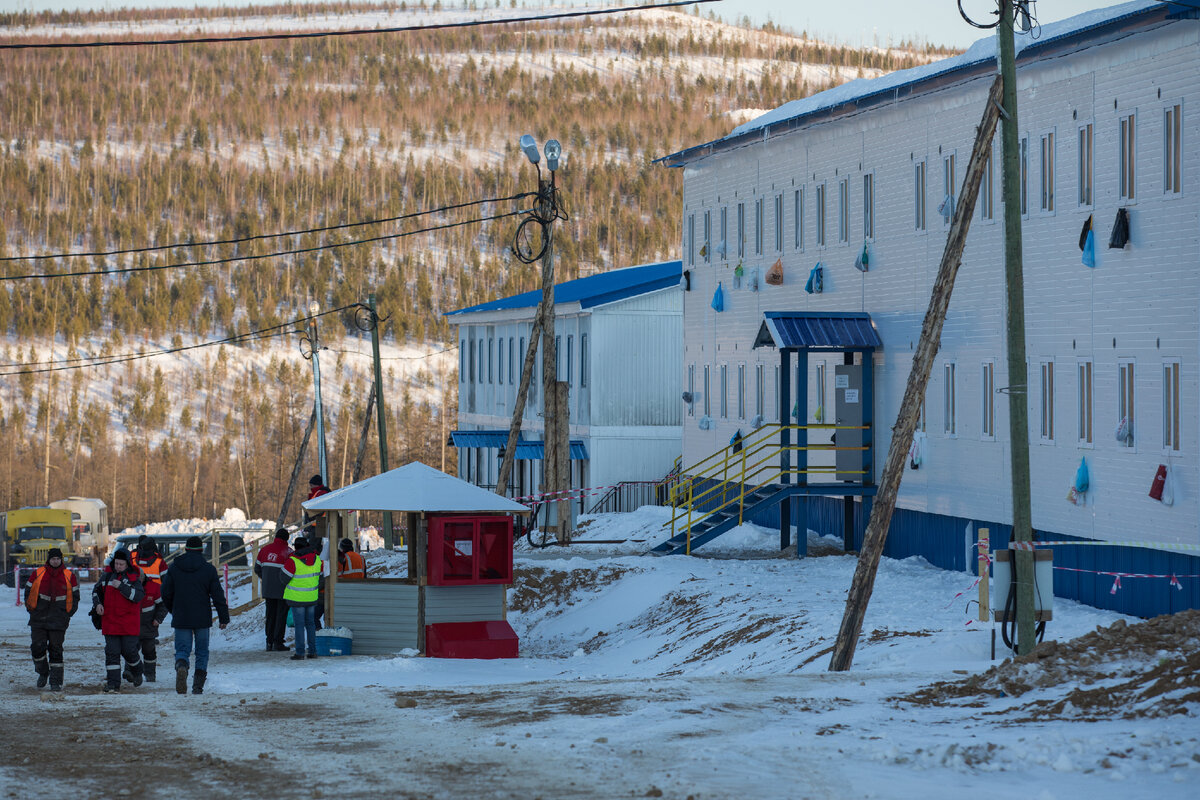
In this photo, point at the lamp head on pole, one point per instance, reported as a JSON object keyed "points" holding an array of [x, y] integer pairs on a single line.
{"points": [[553, 153], [530, 148]]}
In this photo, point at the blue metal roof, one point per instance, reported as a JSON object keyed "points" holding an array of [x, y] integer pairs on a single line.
{"points": [[812, 330], [536, 451], [594, 290], [979, 59], [480, 438]]}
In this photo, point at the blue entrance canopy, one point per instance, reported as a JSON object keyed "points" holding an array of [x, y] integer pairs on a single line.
{"points": [[479, 438], [536, 451], [813, 330]]}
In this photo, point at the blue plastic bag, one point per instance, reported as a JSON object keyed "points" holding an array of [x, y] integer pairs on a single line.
{"points": [[1081, 476], [1089, 250], [816, 280], [718, 301]]}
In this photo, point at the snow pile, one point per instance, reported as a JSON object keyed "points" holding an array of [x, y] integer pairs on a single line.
{"points": [[233, 518]]}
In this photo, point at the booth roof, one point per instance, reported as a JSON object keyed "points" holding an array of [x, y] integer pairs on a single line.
{"points": [[413, 487]]}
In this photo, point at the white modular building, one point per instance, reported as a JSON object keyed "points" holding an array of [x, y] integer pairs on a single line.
{"points": [[870, 171], [618, 338]]}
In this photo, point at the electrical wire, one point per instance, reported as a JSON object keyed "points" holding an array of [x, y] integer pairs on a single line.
{"points": [[259, 37], [392, 358], [231, 259], [258, 237], [104, 361], [548, 209]]}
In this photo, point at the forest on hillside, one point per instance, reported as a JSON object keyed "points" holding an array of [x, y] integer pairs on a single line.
{"points": [[125, 149]]}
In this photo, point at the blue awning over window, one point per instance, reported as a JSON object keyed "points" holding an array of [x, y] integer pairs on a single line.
{"points": [[536, 451], [811, 330], [479, 438]]}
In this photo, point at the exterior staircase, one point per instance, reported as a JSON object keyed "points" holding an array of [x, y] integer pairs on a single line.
{"points": [[725, 518]]}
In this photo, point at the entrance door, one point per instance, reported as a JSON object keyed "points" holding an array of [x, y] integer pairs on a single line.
{"points": [[847, 390]]}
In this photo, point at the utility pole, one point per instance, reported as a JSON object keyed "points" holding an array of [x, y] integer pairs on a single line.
{"points": [[1014, 284], [381, 415], [514, 428], [314, 348]]}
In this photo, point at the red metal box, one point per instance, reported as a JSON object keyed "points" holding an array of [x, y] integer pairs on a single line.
{"points": [[494, 639]]}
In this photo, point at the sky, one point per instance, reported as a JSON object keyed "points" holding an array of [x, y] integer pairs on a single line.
{"points": [[852, 22]]}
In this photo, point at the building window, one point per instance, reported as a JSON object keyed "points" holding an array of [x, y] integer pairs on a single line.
{"points": [[1173, 151], [1125, 397], [691, 240], [570, 353], [778, 412], [919, 194], [583, 359], [558, 354], [482, 363], [949, 418], [1085, 165], [1023, 157], [869, 206], [844, 210], [949, 186], [778, 223], [759, 214], [987, 400], [512, 360], [741, 230], [1085, 402], [462, 361], [723, 245], [798, 218], [821, 215], [921, 418], [707, 248], [1048, 172], [987, 208], [724, 391], [1047, 401], [1127, 161], [758, 385], [819, 395], [491, 359], [707, 403], [741, 385], [1171, 405], [500, 361], [692, 390]]}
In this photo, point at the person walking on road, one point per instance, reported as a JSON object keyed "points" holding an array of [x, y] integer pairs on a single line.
{"points": [[153, 613], [149, 562], [302, 578], [52, 598], [117, 600], [269, 567], [190, 591]]}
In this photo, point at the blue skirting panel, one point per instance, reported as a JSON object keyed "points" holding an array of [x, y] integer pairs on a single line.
{"points": [[945, 542]]}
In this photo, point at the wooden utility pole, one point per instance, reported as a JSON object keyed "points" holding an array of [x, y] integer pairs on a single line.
{"points": [[514, 428], [1018, 379], [361, 453], [554, 414], [381, 414], [287, 498], [918, 379]]}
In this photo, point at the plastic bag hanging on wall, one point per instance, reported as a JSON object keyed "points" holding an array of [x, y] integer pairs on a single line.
{"points": [[1120, 231], [705, 423], [1087, 243], [1160, 480], [816, 280], [775, 273], [718, 301], [738, 272], [863, 262], [1168, 493], [754, 281]]}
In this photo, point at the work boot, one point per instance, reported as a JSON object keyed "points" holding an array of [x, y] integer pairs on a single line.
{"points": [[280, 647], [198, 681], [137, 674], [128, 675], [148, 670], [181, 670], [43, 673], [56, 677], [111, 689]]}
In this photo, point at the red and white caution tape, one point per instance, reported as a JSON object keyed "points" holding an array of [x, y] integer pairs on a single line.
{"points": [[1097, 543], [1117, 576]]}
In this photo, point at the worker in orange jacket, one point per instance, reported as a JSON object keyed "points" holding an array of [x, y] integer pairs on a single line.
{"points": [[350, 564], [149, 561], [52, 598]]}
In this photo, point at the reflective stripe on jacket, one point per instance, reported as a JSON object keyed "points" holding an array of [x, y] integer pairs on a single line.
{"points": [[154, 570], [35, 589], [351, 565], [303, 586]]}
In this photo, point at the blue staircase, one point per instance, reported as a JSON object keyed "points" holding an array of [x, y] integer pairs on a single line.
{"points": [[725, 518]]}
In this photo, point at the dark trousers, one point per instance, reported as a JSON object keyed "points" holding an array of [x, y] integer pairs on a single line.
{"points": [[116, 648], [149, 647], [276, 620], [46, 648]]}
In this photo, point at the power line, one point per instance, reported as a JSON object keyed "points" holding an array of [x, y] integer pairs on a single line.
{"points": [[231, 259], [258, 237], [104, 361], [393, 358], [351, 32]]}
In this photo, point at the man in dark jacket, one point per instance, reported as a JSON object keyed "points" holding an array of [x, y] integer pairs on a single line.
{"points": [[153, 613], [267, 567], [52, 598], [314, 522], [190, 591], [117, 600]]}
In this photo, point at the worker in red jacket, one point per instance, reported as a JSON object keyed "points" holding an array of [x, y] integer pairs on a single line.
{"points": [[52, 598], [117, 601], [268, 567]]}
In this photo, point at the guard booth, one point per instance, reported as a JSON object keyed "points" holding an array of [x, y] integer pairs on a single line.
{"points": [[453, 603]]}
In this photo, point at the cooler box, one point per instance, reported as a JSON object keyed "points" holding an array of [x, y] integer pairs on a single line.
{"points": [[495, 639], [334, 641]]}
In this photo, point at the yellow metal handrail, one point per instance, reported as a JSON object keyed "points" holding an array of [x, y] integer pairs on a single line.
{"points": [[756, 443]]}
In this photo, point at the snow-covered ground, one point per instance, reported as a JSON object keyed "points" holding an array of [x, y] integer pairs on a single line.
{"points": [[652, 677]]}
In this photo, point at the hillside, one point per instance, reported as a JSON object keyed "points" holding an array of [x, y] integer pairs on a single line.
{"points": [[133, 147]]}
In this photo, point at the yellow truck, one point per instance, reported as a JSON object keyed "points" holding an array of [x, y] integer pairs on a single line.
{"points": [[30, 533]]}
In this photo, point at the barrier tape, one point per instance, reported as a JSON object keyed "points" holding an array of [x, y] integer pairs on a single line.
{"points": [[1117, 576], [583, 492], [960, 594], [1096, 543]]}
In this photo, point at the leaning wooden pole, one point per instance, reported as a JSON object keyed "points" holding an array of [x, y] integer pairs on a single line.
{"points": [[918, 379], [514, 428], [287, 498]]}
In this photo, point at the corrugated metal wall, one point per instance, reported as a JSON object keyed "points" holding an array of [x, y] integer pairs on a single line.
{"points": [[382, 615], [639, 379], [464, 603]]}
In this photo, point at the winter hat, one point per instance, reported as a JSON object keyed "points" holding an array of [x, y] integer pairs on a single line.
{"points": [[147, 547], [282, 533], [194, 543], [315, 480], [54, 553], [300, 543], [346, 545], [122, 554]]}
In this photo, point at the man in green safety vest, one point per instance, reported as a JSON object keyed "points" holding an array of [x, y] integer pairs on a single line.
{"points": [[302, 578]]}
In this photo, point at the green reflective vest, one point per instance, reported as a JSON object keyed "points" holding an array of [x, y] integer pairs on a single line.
{"points": [[302, 588]]}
